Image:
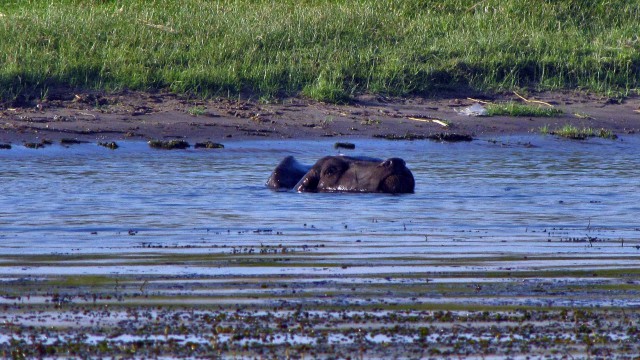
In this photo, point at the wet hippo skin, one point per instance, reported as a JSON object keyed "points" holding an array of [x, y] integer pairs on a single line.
{"points": [[343, 174], [287, 174]]}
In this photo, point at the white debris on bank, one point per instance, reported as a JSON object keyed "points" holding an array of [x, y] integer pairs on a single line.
{"points": [[473, 110]]}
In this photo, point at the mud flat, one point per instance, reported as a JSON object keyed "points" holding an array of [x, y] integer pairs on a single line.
{"points": [[324, 300]]}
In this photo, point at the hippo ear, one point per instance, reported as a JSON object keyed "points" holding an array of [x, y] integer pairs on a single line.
{"points": [[309, 182], [287, 174], [394, 163]]}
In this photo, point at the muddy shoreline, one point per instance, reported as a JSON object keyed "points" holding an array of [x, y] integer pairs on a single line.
{"points": [[142, 116], [242, 294], [430, 315]]}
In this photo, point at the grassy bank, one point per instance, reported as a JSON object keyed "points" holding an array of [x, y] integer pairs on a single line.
{"points": [[327, 50]]}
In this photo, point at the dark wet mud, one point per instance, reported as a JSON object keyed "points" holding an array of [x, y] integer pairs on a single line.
{"points": [[316, 313], [130, 115]]}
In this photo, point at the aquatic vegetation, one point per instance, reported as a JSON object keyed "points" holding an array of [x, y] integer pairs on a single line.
{"points": [[109, 145], [208, 145], [544, 130], [168, 144], [39, 145], [575, 133], [516, 109]]}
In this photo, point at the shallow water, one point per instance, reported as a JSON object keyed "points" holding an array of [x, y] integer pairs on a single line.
{"points": [[478, 199], [493, 225]]}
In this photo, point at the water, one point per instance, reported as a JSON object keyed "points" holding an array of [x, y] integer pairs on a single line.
{"points": [[476, 199]]}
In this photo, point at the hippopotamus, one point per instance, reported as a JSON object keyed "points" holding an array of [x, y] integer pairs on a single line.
{"points": [[343, 174]]}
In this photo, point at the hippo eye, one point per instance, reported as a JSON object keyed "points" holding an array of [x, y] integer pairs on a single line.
{"points": [[330, 171]]}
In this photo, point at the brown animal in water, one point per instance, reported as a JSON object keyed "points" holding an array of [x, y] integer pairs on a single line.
{"points": [[343, 174]]}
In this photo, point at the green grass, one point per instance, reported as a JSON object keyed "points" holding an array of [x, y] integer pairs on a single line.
{"points": [[515, 109], [326, 50], [197, 110], [575, 133]]}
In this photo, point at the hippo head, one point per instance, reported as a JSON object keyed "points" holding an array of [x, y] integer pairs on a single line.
{"points": [[350, 174]]}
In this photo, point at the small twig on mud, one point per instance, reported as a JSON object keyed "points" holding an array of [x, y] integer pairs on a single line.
{"points": [[532, 101], [583, 116], [439, 122], [479, 101]]}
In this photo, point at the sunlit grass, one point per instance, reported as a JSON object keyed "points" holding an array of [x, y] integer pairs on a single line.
{"points": [[515, 109], [324, 50], [576, 133]]}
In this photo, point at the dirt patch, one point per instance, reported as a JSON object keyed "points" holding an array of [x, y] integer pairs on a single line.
{"points": [[144, 116]]}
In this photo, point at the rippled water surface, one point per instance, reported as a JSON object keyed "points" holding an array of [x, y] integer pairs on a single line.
{"points": [[472, 198], [192, 240]]}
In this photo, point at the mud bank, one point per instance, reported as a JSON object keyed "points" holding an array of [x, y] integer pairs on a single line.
{"points": [[142, 116]]}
